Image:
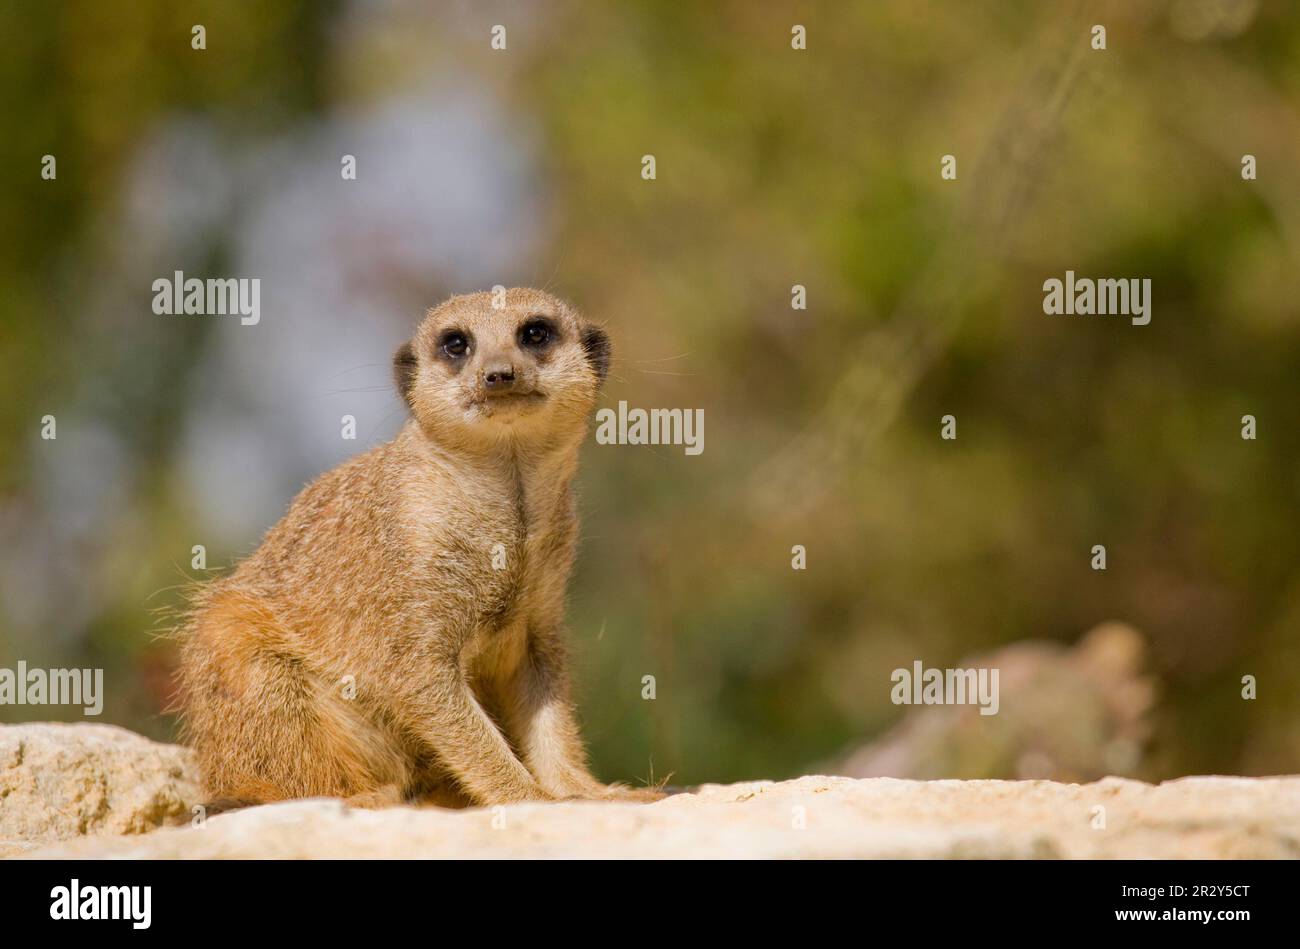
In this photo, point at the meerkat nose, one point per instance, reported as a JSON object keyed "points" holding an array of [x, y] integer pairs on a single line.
{"points": [[499, 377]]}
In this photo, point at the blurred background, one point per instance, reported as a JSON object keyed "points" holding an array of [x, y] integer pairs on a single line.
{"points": [[775, 167]]}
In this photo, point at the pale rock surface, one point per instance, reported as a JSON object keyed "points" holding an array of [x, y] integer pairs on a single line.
{"points": [[72, 780], [60, 781]]}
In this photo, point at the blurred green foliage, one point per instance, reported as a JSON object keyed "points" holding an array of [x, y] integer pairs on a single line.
{"points": [[775, 168]]}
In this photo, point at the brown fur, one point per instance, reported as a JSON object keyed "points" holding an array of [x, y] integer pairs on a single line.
{"points": [[383, 570]]}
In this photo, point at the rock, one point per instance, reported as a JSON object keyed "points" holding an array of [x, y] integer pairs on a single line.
{"points": [[1069, 714], [811, 817], [60, 781]]}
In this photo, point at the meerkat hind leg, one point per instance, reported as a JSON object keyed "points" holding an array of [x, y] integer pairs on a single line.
{"points": [[266, 726]]}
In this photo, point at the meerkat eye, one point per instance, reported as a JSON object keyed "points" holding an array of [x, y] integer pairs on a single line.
{"points": [[454, 344], [535, 333]]}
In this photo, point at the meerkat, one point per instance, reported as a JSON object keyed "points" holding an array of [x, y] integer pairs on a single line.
{"points": [[398, 635]]}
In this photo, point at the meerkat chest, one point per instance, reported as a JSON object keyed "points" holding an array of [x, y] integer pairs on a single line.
{"points": [[517, 592], [497, 553], [527, 565]]}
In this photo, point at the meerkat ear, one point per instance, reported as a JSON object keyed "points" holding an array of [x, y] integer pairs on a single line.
{"points": [[404, 367], [595, 343]]}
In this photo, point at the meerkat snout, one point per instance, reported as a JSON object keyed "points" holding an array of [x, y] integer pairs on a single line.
{"points": [[429, 574], [499, 377]]}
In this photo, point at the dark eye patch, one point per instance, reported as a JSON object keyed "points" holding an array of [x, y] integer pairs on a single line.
{"points": [[537, 332], [454, 343]]}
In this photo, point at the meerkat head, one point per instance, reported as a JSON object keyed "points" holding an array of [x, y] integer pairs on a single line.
{"points": [[528, 364]]}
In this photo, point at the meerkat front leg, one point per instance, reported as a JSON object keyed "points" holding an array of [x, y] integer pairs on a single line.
{"points": [[543, 725], [446, 714]]}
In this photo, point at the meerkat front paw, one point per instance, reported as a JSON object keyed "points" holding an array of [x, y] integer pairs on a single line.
{"points": [[622, 792], [595, 791]]}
